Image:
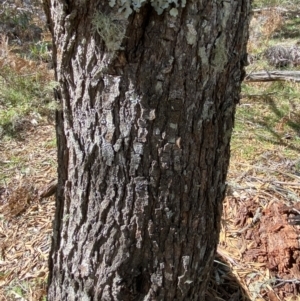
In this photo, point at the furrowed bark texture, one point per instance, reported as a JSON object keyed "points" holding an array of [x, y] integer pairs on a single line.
{"points": [[143, 147]]}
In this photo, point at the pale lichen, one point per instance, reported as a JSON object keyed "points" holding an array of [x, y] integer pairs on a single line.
{"points": [[191, 36], [110, 27], [220, 54], [111, 31], [126, 7]]}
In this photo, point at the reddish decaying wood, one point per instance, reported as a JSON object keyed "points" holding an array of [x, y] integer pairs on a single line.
{"points": [[143, 147]]}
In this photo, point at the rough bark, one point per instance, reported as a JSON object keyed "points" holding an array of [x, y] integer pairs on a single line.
{"points": [[143, 147]]}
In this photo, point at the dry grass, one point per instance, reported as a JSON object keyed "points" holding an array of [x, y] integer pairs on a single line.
{"points": [[262, 27], [25, 219]]}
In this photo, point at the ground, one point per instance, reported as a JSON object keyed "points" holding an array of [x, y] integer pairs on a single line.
{"points": [[259, 251]]}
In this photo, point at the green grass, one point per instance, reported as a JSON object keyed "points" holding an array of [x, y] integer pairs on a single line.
{"points": [[268, 116], [281, 3], [40, 51], [22, 289], [17, 290], [22, 95], [14, 17], [289, 30], [50, 144], [7, 168]]}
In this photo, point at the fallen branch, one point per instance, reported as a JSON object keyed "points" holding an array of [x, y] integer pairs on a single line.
{"points": [[262, 9], [279, 9], [269, 76]]}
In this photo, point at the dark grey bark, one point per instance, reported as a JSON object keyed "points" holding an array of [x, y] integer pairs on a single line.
{"points": [[143, 147]]}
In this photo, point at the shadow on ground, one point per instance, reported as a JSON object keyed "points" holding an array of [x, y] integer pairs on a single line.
{"points": [[224, 285]]}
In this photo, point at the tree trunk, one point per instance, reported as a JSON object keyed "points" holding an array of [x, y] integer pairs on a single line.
{"points": [[143, 139]]}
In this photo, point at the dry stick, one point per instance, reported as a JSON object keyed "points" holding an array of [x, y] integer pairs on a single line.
{"points": [[257, 95], [287, 183], [269, 76], [270, 169], [278, 8], [227, 257], [283, 281], [258, 10]]}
